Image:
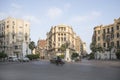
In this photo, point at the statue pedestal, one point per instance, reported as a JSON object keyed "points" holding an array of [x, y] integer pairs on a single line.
{"points": [[67, 55]]}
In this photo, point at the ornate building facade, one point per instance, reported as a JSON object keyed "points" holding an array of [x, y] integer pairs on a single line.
{"points": [[14, 37], [107, 36], [62, 34]]}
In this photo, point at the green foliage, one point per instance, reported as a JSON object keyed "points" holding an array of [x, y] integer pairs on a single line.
{"points": [[74, 55], [99, 49], [62, 56], [2, 55], [118, 54], [109, 48], [33, 56], [32, 45], [91, 56], [93, 47], [64, 46]]}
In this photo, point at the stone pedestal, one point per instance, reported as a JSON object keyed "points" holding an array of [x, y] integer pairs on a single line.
{"points": [[67, 55]]}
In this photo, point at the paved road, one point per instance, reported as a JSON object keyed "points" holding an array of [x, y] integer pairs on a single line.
{"points": [[43, 70]]}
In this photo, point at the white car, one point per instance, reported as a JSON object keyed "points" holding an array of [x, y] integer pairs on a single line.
{"points": [[24, 59], [13, 59]]}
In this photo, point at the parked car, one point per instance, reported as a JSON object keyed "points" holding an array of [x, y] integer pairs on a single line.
{"points": [[24, 59], [12, 59]]}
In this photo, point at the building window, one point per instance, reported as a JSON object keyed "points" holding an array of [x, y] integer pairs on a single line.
{"points": [[108, 30], [103, 36], [2, 28], [64, 34], [118, 44], [98, 38], [98, 31], [13, 23], [59, 50], [7, 26], [62, 28], [103, 30], [112, 29], [58, 38], [16, 47], [58, 34], [112, 36], [61, 38], [13, 36], [117, 27], [104, 44], [64, 38], [118, 35]]}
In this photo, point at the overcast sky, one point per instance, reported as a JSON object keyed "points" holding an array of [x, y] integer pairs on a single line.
{"points": [[82, 15]]}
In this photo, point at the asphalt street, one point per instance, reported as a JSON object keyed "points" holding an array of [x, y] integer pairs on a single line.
{"points": [[43, 70]]}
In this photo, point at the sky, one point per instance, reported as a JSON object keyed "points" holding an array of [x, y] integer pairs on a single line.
{"points": [[82, 15]]}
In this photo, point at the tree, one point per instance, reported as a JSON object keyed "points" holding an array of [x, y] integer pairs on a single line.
{"points": [[99, 49], [74, 55], [118, 54], [3, 55], [64, 46], [32, 45], [91, 56], [93, 47], [32, 56], [62, 56]]}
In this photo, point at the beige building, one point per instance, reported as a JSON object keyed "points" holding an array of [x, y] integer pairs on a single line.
{"points": [[14, 37], [62, 34], [107, 36], [84, 49]]}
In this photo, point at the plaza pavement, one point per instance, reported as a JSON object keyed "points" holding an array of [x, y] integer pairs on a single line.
{"points": [[43, 70]]}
